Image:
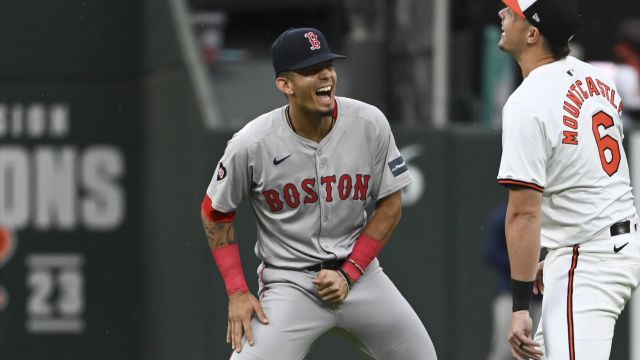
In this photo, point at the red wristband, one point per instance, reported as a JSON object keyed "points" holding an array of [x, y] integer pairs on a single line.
{"points": [[228, 259], [364, 251]]}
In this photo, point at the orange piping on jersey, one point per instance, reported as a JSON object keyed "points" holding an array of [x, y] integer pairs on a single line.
{"points": [[520, 183], [570, 328]]}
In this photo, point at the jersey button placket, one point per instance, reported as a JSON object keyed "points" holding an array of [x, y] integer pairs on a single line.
{"points": [[321, 165]]}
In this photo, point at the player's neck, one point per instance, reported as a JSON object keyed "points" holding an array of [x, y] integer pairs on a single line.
{"points": [[312, 126], [533, 59]]}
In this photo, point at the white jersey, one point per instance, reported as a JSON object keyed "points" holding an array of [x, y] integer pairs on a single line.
{"points": [[309, 198], [562, 135]]}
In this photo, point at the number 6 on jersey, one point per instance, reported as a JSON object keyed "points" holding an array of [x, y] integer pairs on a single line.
{"points": [[606, 143]]}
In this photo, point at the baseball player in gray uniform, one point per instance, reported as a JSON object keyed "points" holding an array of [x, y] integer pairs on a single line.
{"points": [[309, 169], [569, 190]]}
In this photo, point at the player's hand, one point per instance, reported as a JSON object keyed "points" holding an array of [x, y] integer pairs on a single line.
{"points": [[331, 286], [242, 306], [538, 284], [522, 346]]}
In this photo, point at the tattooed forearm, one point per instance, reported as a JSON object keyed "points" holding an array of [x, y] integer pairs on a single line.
{"points": [[218, 234]]}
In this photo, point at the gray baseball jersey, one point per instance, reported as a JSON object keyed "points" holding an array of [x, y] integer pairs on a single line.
{"points": [[309, 198]]}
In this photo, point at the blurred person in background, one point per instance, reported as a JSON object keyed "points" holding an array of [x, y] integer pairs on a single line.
{"points": [[497, 258], [627, 52], [309, 170]]}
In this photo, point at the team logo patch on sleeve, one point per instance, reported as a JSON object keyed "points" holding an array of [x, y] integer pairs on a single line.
{"points": [[222, 172], [398, 166]]}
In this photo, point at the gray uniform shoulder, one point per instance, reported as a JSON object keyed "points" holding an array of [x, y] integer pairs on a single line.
{"points": [[258, 128], [361, 113]]}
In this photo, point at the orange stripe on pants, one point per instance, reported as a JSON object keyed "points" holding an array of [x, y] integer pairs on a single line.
{"points": [[574, 264]]}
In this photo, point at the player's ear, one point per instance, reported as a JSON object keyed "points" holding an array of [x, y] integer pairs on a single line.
{"points": [[284, 84], [533, 35]]}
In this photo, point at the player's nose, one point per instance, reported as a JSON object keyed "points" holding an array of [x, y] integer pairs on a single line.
{"points": [[501, 13]]}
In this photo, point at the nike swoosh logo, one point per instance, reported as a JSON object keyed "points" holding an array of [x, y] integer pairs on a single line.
{"points": [[277, 161], [617, 249]]}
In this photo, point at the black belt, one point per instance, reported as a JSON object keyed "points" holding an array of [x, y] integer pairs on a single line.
{"points": [[619, 228], [329, 265]]}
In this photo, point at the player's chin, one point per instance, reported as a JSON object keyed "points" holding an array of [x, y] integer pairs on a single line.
{"points": [[502, 46], [326, 109]]}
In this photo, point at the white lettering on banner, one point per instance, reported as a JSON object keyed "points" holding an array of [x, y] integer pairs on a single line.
{"points": [[70, 187], [55, 180], [56, 298], [104, 206], [34, 121], [50, 180], [14, 186]]}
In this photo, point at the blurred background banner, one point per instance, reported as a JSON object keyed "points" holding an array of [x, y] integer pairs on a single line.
{"points": [[113, 115], [69, 197], [70, 181]]}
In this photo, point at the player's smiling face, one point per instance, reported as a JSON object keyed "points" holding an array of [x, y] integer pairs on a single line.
{"points": [[514, 34], [314, 88]]}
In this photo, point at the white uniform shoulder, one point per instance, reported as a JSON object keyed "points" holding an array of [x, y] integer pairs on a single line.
{"points": [[542, 83]]}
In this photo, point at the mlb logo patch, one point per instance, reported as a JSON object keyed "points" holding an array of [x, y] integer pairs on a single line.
{"points": [[397, 166], [222, 172]]}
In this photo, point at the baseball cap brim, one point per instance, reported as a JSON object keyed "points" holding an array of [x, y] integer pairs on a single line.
{"points": [[318, 59], [515, 6]]}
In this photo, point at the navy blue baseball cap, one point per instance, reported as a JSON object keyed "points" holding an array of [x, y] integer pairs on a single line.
{"points": [[297, 49]]}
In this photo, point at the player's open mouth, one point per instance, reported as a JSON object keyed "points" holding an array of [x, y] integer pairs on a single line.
{"points": [[324, 92]]}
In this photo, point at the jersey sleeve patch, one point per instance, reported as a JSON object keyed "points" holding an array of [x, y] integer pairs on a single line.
{"points": [[398, 166], [512, 182], [222, 172]]}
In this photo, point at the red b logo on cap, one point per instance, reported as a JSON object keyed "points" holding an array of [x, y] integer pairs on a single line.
{"points": [[313, 40]]}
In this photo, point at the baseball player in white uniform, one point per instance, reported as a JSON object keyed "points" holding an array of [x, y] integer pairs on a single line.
{"points": [[309, 169], [569, 190]]}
